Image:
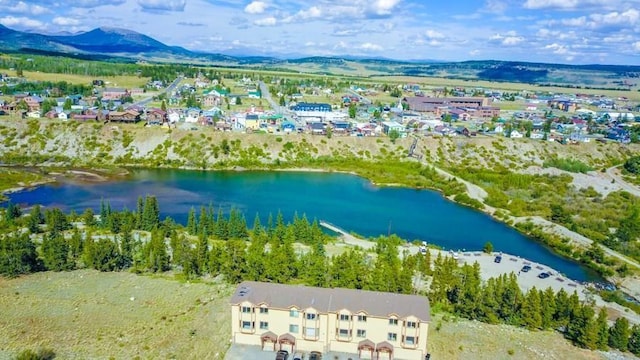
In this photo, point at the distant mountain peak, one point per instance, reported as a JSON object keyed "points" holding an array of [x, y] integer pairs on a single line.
{"points": [[115, 30]]}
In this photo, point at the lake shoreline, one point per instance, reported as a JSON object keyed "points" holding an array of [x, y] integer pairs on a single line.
{"points": [[84, 175]]}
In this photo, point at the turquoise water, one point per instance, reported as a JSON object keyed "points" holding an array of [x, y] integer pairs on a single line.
{"points": [[347, 201]]}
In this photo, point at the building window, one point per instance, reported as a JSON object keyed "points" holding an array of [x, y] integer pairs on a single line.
{"points": [[344, 332], [393, 321], [345, 317], [412, 324], [361, 333], [311, 332], [247, 325], [264, 310], [311, 316], [293, 329], [362, 318], [392, 336], [293, 313], [410, 340], [264, 325], [246, 309]]}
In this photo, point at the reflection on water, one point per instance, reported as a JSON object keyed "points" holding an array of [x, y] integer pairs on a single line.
{"points": [[347, 201]]}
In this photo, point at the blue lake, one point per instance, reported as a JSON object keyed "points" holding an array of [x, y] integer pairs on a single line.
{"points": [[347, 201]]}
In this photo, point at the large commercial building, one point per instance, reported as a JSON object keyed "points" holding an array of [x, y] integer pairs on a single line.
{"points": [[370, 324]]}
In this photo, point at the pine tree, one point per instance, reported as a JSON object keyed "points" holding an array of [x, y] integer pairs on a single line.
{"points": [[139, 212], [12, 213], [150, 214], [76, 244], [531, 312], [192, 225], [35, 219], [18, 255], [603, 330], [106, 255], [222, 226], [619, 334], [127, 249], [88, 217], [233, 266], [548, 303], [202, 253], [349, 270], [55, 252], [157, 258], [470, 294], [634, 340]]}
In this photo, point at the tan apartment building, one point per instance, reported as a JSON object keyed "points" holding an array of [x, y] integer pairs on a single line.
{"points": [[371, 324]]}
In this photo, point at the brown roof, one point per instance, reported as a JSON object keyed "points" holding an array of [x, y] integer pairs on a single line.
{"points": [[332, 300]]}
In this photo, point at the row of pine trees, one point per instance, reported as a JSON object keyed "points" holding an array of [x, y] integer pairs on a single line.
{"points": [[218, 244]]}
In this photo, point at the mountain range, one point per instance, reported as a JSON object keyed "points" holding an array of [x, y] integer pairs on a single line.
{"points": [[120, 43]]}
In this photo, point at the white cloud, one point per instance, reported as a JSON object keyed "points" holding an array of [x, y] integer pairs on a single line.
{"points": [[557, 48], [22, 22], [510, 38], [576, 22], [65, 21], [256, 7], [162, 5], [636, 46], [432, 34], [95, 3], [494, 6], [270, 21], [384, 7], [629, 17], [24, 8], [563, 4], [371, 47]]}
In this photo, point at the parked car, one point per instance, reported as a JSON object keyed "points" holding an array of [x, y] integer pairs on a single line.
{"points": [[543, 275], [297, 356], [315, 355], [498, 259], [525, 268], [282, 355]]}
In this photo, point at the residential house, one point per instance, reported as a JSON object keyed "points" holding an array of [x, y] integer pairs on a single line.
{"points": [[35, 114], [130, 116], [371, 324], [254, 94], [515, 134], [461, 130], [113, 93], [173, 116], [156, 116], [192, 115], [388, 126], [210, 100], [84, 117], [33, 102]]}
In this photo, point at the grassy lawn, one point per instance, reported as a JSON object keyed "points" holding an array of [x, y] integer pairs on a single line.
{"points": [[86, 314], [119, 81]]}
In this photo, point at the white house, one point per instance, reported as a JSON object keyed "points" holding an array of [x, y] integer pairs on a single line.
{"points": [[515, 134]]}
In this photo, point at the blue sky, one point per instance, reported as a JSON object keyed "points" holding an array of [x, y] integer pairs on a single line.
{"points": [[558, 31]]}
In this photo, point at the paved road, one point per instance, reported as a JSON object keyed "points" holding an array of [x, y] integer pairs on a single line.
{"points": [[168, 90], [363, 99]]}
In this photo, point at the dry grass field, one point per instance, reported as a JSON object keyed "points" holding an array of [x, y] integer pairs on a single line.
{"points": [[119, 81], [91, 315], [86, 314]]}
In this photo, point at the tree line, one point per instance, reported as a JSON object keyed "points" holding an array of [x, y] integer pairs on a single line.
{"points": [[214, 243]]}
